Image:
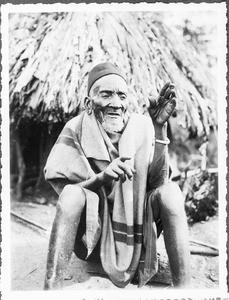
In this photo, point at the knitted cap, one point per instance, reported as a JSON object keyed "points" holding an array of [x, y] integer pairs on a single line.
{"points": [[101, 70]]}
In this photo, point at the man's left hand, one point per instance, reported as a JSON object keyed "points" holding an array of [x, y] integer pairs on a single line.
{"points": [[161, 109]]}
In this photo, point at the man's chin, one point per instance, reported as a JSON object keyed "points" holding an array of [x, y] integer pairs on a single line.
{"points": [[112, 125]]}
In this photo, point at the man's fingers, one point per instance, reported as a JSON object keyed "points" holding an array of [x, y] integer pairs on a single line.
{"points": [[128, 170], [117, 169], [133, 170], [172, 95], [171, 86], [174, 114], [113, 175], [119, 172], [167, 111], [124, 158], [170, 106], [162, 92], [123, 177], [168, 93], [152, 102], [167, 89]]}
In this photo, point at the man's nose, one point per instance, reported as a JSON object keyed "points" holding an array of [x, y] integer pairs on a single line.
{"points": [[115, 101]]}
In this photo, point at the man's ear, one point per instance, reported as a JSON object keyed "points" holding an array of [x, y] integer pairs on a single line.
{"points": [[88, 105]]}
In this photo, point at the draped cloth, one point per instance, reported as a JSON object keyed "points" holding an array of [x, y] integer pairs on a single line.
{"points": [[82, 146]]}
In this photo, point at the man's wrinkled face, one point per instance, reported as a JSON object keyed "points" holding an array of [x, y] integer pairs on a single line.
{"points": [[109, 102]]}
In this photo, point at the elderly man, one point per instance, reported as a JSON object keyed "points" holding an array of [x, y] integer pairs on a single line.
{"points": [[110, 170]]}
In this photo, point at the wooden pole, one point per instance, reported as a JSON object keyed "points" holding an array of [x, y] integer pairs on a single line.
{"points": [[21, 165]]}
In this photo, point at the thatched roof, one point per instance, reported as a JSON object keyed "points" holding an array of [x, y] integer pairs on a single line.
{"points": [[52, 53]]}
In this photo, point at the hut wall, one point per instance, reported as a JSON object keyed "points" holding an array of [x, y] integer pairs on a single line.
{"points": [[30, 145]]}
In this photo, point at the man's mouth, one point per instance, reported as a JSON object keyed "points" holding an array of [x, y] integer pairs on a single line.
{"points": [[113, 114], [112, 119]]}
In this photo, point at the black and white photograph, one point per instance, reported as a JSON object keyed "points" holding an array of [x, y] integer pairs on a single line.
{"points": [[114, 151]]}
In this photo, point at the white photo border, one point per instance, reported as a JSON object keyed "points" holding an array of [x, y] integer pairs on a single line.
{"points": [[221, 293]]}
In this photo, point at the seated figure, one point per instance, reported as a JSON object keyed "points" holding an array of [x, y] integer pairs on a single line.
{"points": [[110, 170]]}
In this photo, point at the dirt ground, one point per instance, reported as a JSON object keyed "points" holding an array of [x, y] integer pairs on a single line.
{"points": [[29, 250]]}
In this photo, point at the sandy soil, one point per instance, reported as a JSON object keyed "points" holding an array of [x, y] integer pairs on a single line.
{"points": [[29, 250]]}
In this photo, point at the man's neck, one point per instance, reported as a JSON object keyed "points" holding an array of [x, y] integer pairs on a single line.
{"points": [[114, 137]]}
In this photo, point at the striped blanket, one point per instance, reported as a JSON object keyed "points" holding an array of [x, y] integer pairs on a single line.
{"points": [[128, 234]]}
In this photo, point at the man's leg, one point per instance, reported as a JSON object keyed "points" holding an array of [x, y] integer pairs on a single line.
{"points": [[69, 208], [168, 205]]}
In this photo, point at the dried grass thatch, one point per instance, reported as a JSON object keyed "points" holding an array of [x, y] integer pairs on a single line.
{"points": [[52, 53]]}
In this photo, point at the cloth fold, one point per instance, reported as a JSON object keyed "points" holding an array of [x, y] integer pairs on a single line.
{"points": [[93, 223], [148, 265], [122, 230]]}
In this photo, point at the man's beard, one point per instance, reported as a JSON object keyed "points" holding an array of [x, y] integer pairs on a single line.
{"points": [[110, 123]]}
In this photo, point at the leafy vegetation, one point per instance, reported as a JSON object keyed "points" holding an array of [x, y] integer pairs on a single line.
{"points": [[201, 195]]}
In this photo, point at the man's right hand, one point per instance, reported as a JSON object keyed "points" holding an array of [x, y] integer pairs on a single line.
{"points": [[118, 169]]}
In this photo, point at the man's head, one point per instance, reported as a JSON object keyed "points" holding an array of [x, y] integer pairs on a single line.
{"points": [[107, 97]]}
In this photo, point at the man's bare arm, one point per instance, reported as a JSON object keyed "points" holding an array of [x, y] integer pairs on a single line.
{"points": [[160, 111], [158, 169]]}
